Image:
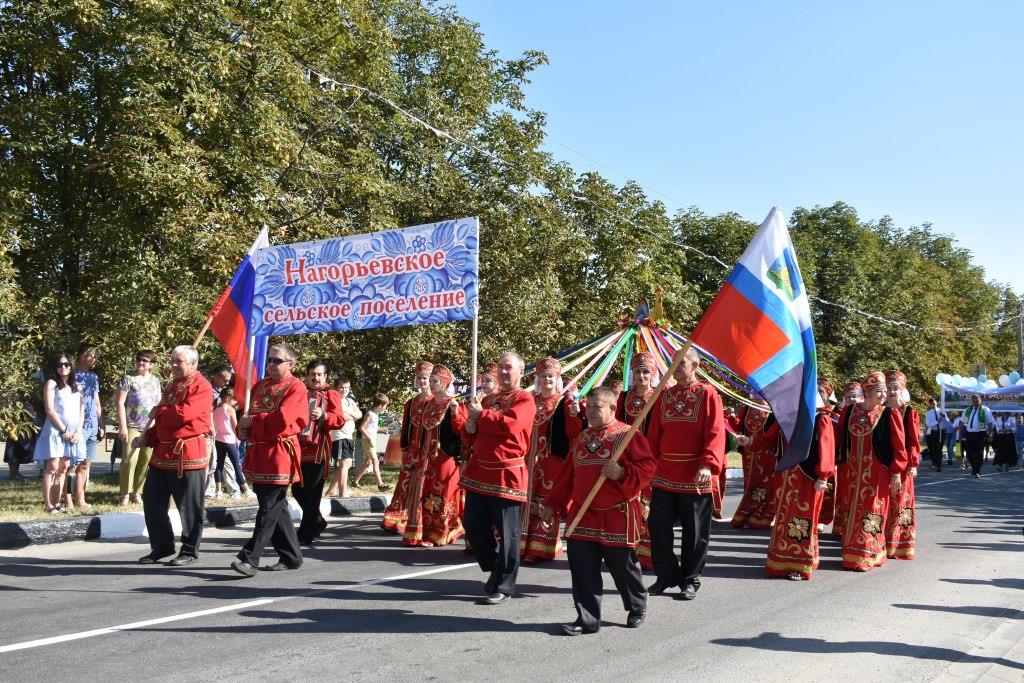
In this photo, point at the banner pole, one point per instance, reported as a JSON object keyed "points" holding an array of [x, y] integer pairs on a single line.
{"points": [[472, 351], [202, 332], [248, 371]]}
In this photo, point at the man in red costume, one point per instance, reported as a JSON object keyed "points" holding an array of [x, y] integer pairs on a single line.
{"points": [[610, 528], [793, 549], [687, 436], [901, 520], [643, 372], [555, 424], [325, 414], [278, 411], [409, 487], [499, 427], [177, 468], [871, 437]]}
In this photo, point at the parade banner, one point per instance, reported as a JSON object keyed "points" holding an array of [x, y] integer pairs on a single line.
{"points": [[413, 276]]}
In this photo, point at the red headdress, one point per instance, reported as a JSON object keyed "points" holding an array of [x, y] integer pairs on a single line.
{"points": [[826, 386], [424, 366], [644, 360], [873, 381], [895, 376], [548, 365], [443, 373]]}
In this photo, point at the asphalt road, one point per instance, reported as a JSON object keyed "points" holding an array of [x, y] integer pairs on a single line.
{"points": [[955, 612]]}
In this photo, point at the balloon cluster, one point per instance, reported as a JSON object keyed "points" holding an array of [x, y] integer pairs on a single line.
{"points": [[981, 382]]}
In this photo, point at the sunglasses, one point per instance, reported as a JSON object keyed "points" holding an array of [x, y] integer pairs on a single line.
{"points": [[277, 361], [63, 364]]}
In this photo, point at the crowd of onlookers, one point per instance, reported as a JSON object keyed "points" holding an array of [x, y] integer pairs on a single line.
{"points": [[69, 424], [946, 433]]}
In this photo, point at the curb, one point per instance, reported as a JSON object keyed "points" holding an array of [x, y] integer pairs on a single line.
{"points": [[123, 525]]}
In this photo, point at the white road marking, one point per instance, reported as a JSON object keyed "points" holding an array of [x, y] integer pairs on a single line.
{"points": [[966, 477], [218, 610]]}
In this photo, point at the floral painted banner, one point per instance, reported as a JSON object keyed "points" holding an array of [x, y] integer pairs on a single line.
{"points": [[413, 276]]}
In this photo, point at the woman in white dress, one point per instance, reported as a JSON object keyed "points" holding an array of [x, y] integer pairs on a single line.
{"points": [[61, 437]]}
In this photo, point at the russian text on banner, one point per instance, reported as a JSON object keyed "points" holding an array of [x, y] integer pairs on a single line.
{"points": [[413, 276], [759, 326]]}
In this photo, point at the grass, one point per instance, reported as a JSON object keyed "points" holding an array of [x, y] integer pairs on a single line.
{"points": [[735, 460], [21, 500]]}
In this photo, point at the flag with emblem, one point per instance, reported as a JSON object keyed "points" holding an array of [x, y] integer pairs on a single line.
{"points": [[759, 326]]}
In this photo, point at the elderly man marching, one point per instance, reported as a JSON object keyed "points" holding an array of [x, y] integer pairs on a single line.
{"points": [[177, 468], [687, 435], [278, 413], [499, 427], [610, 528]]}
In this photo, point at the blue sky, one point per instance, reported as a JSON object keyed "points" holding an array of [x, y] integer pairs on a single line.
{"points": [[909, 109]]}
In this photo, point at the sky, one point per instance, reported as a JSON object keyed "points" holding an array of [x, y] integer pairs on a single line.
{"points": [[909, 109]]}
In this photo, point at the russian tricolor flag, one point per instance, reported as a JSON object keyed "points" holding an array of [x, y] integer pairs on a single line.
{"points": [[759, 326], [230, 321]]}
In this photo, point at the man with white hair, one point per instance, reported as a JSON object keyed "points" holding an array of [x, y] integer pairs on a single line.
{"points": [[177, 468], [495, 477]]}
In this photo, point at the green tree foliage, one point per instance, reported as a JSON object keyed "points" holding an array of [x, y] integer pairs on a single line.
{"points": [[143, 145]]}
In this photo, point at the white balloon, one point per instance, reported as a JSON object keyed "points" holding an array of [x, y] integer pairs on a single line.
{"points": [[1020, 382], [938, 378], [956, 380], [991, 384], [971, 382], [1004, 380]]}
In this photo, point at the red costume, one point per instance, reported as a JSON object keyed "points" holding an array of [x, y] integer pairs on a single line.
{"points": [[793, 548], [553, 431], [852, 393], [433, 517], [181, 422], [872, 440], [901, 520], [760, 489], [502, 439], [279, 411], [686, 433], [615, 516], [409, 486], [315, 438], [627, 409]]}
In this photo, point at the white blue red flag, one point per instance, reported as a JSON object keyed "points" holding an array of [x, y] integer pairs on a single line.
{"points": [[230, 323], [759, 326]]}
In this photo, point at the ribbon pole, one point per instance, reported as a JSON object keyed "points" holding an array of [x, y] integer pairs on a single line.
{"points": [[248, 381]]}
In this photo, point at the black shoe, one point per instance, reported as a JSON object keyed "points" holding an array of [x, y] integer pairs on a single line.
{"points": [[244, 568], [154, 557], [183, 560], [659, 587], [321, 526], [494, 598], [279, 567], [578, 629], [635, 619], [689, 592]]}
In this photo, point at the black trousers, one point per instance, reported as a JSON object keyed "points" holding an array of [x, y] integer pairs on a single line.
{"points": [[934, 441], [273, 525], [500, 557], [585, 565], [693, 512], [976, 450], [308, 495], [187, 492]]}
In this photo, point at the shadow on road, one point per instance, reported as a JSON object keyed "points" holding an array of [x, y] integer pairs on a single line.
{"points": [[777, 642]]}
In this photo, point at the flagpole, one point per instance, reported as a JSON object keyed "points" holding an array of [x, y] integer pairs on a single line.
{"points": [[202, 332], [637, 422], [472, 351], [248, 381]]}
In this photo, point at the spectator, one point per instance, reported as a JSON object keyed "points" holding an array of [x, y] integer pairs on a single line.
{"points": [[222, 378], [92, 426], [21, 447], [368, 439], [933, 434], [137, 394], [220, 480], [947, 427], [225, 424], [61, 440], [341, 439]]}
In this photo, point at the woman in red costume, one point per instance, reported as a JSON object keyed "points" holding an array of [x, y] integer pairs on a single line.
{"points": [[901, 522], [410, 477], [853, 394], [871, 437], [435, 518], [762, 442], [555, 425], [643, 369], [793, 550]]}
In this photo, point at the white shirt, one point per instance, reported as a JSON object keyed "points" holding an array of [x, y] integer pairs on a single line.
{"points": [[973, 418], [349, 407], [370, 423], [1006, 425], [932, 418]]}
